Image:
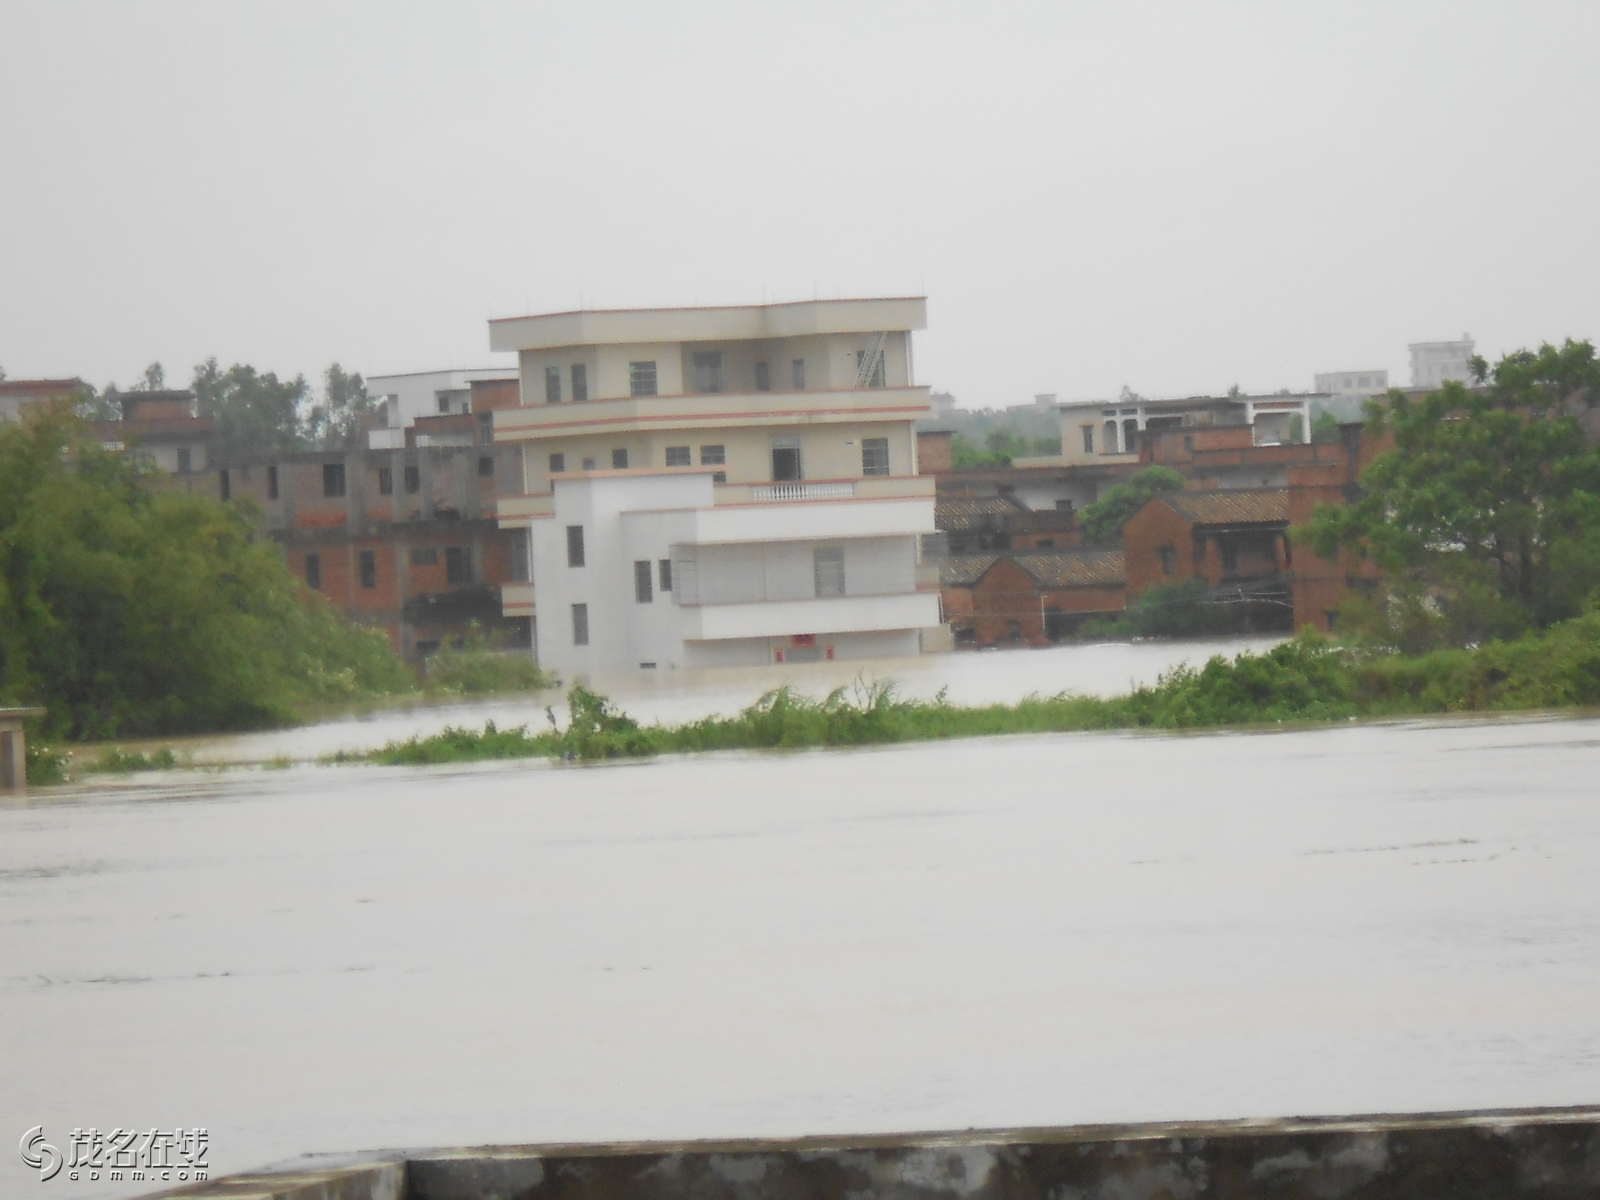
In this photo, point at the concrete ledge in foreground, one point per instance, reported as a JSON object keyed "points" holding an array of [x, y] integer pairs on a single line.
{"points": [[1550, 1154]]}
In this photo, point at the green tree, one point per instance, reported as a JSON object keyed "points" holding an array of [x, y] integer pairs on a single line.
{"points": [[129, 607], [1485, 516], [335, 422], [1325, 429], [1103, 520], [256, 413]]}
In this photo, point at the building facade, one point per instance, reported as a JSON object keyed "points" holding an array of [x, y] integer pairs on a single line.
{"points": [[1101, 431], [720, 486], [405, 398], [1433, 363], [1371, 381]]}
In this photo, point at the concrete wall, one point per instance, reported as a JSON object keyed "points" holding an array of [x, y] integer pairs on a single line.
{"points": [[1551, 1154]]}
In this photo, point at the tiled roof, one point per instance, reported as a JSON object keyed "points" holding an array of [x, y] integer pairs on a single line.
{"points": [[1265, 506], [964, 570], [1074, 568], [974, 512]]}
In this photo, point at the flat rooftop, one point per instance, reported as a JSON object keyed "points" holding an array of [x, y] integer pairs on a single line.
{"points": [[740, 322]]}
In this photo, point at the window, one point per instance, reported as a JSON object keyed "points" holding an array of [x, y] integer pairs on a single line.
{"points": [[369, 569], [666, 574], [333, 479], [444, 404], [707, 366], [713, 456], [642, 593], [486, 428], [797, 374], [272, 483], [872, 372], [785, 459], [574, 545], [385, 481], [225, 484], [588, 464], [679, 456], [580, 381], [1088, 439], [427, 556], [486, 466], [1169, 559], [1230, 556], [642, 378], [314, 572], [827, 568], [457, 565], [763, 378], [413, 480], [558, 464], [874, 456], [580, 624], [552, 385], [619, 460], [183, 460], [719, 477], [519, 557]]}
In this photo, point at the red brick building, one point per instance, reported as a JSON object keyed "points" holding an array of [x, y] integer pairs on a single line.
{"points": [[1030, 599]]}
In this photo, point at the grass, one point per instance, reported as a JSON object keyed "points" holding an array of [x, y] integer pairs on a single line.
{"points": [[1309, 679]]}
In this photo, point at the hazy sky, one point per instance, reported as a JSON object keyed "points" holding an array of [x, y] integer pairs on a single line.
{"points": [[1176, 197]]}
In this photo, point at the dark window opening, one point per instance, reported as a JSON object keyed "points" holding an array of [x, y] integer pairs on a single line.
{"points": [[333, 479], [679, 456], [558, 464], [457, 565], [574, 545], [552, 385], [183, 460], [485, 466], [1230, 557], [580, 624], [642, 591], [707, 367], [314, 572], [1088, 439], [666, 574], [713, 456], [385, 481], [369, 569], [1169, 559], [580, 381], [642, 378], [225, 484], [797, 373], [619, 460], [874, 456], [785, 462], [272, 483], [413, 480], [763, 378]]}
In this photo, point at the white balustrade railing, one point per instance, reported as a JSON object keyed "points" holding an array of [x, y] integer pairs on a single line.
{"points": [[803, 491]]}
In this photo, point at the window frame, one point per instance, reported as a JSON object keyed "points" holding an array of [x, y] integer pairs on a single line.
{"points": [[871, 465], [643, 585], [827, 584], [485, 461], [683, 454], [367, 566], [643, 378], [333, 481], [580, 624], [580, 381], [458, 565], [552, 385], [619, 458], [665, 572], [314, 572], [575, 550], [558, 463], [385, 481], [763, 377]]}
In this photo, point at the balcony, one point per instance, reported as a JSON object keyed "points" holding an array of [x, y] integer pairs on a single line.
{"points": [[844, 614], [513, 510], [594, 417]]}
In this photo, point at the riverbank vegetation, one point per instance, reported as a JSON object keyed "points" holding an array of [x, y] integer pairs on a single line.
{"points": [[1309, 679], [131, 608]]}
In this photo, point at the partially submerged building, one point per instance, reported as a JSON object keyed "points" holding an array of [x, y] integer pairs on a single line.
{"points": [[716, 486]]}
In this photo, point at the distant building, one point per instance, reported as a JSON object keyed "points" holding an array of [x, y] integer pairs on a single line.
{"points": [[162, 428], [425, 394], [720, 486], [1094, 431], [18, 394], [943, 405], [1372, 381], [1432, 363], [1030, 599]]}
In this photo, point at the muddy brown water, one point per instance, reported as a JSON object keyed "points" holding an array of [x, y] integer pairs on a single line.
{"points": [[1018, 931]]}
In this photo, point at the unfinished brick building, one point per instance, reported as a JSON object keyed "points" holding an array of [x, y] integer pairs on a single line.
{"points": [[1031, 599]]}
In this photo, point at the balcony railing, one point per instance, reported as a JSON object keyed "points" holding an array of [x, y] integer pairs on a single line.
{"points": [[803, 491]]}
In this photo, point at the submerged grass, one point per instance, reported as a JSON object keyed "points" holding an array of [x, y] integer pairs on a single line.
{"points": [[1309, 679]]}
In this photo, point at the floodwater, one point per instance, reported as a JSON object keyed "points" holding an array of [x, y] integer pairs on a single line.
{"points": [[1017, 931], [984, 677]]}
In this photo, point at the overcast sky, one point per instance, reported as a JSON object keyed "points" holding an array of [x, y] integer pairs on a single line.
{"points": [[1176, 197]]}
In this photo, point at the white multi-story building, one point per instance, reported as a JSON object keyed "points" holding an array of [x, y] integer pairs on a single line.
{"points": [[1372, 381], [1432, 363], [720, 486], [423, 394], [1096, 431]]}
